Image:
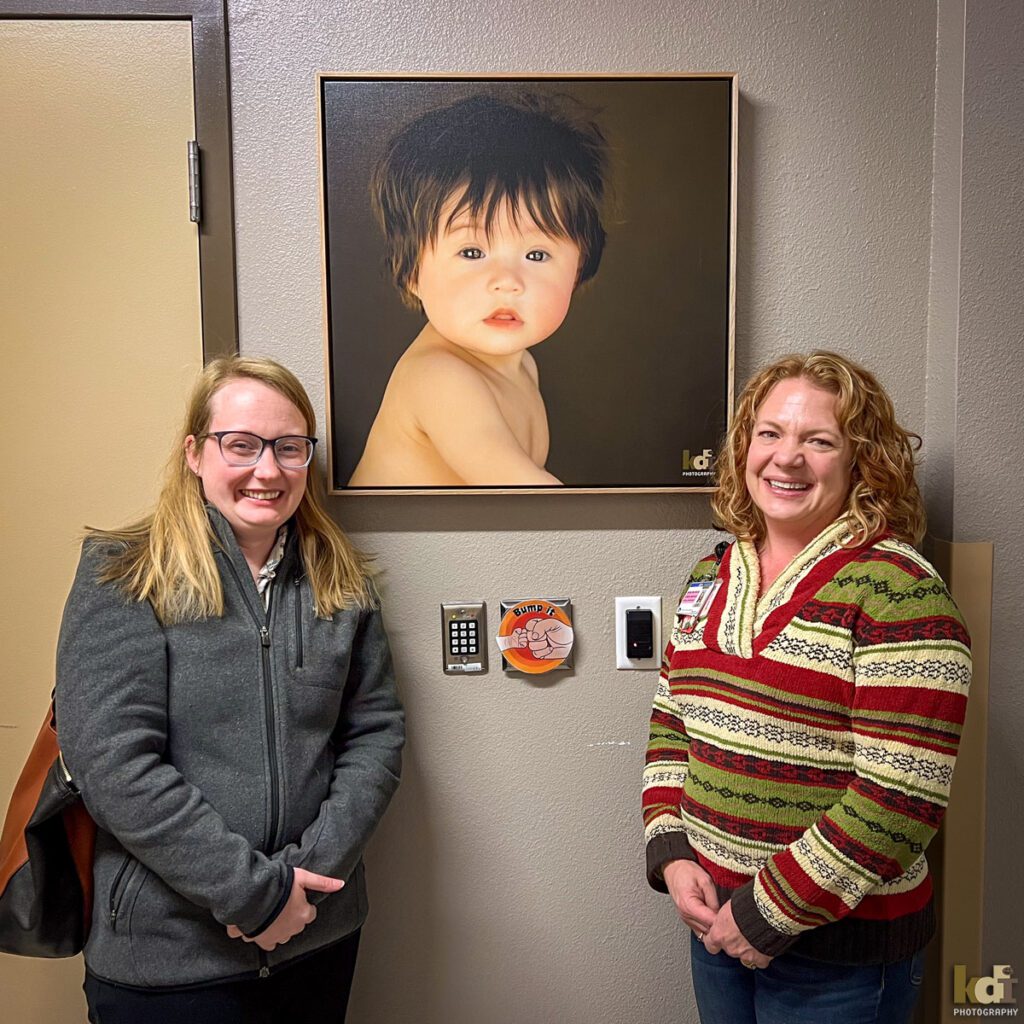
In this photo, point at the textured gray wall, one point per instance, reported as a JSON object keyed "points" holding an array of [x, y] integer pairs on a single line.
{"points": [[989, 460], [507, 878]]}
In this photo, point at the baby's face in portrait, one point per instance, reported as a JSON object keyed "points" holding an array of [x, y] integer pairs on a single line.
{"points": [[499, 293]]}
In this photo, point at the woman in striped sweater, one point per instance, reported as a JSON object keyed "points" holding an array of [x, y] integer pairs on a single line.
{"points": [[807, 718]]}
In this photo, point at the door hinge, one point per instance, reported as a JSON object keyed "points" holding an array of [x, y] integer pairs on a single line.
{"points": [[194, 192]]}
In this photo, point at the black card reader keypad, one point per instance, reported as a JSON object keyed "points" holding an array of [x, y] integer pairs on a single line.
{"points": [[464, 637]]}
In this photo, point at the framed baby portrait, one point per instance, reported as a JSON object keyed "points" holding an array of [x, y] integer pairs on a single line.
{"points": [[529, 282]]}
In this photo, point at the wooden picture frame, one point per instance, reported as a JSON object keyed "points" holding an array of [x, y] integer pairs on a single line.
{"points": [[636, 382]]}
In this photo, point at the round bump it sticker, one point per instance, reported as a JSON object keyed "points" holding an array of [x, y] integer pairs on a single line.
{"points": [[535, 636]]}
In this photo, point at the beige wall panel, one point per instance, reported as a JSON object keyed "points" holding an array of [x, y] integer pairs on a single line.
{"points": [[960, 880], [100, 332]]}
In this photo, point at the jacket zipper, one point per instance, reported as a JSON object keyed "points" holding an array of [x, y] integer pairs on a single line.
{"points": [[298, 622], [270, 841], [270, 838], [117, 891], [268, 705]]}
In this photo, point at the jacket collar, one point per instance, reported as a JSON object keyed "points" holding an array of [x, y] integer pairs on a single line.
{"points": [[225, 541]]}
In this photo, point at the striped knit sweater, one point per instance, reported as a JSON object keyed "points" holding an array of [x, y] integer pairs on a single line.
{"points": [[802, 746]]}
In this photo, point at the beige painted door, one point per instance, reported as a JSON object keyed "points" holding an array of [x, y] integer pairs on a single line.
{"points": [[99, 336]]}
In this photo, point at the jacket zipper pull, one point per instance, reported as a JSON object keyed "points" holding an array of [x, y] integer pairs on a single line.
{"points": [[298, 621], [264, 636]]}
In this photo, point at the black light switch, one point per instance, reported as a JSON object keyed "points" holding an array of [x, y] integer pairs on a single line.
{"points": [[639, 633]]}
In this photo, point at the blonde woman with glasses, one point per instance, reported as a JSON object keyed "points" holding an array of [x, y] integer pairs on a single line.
{"points": [[228, 710]]}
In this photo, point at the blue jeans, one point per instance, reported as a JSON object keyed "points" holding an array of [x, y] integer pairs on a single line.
{"points": [[794, 989]]}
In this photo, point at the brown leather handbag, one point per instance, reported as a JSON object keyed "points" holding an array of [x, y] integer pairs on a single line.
{"points": [[46, 854]]}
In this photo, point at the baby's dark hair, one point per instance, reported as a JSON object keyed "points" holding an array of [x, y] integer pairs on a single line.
{"points": [[530, 151]]}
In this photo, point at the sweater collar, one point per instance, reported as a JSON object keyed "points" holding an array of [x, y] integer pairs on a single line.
{"points": [[834, 536], [742, 629]]}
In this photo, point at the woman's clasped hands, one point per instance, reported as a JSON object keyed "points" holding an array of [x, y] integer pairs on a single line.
{"points": [[297, 913], [693, 892]]}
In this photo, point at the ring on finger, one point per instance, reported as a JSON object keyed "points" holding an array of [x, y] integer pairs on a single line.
{"points": [[700, 936], [750, 964]]}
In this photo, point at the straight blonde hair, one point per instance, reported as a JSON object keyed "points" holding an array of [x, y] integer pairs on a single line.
{"points": [[167, 558], [884, 496]]}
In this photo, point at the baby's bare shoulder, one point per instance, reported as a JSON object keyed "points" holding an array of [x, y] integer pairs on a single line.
{"points": [[435, 369]]}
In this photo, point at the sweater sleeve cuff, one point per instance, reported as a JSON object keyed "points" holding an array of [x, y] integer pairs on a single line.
{"points": [[662, 849], [756, 930], [286, 892]]}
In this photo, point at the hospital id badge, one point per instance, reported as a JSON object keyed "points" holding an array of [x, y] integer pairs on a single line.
{"points": [[696, 603]]}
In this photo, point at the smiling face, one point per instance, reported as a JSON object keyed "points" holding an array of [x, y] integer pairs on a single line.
{"points": [[499, 293], [255, 500], [798, 463]]}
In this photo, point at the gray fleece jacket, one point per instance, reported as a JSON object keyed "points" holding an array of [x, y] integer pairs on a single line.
{"points": [[217, 756]]}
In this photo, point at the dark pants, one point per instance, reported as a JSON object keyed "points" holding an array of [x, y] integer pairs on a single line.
{"points": [[796, 990], [312, 991]]}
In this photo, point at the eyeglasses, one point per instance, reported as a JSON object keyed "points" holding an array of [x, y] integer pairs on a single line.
{"points": [[239, 448]]}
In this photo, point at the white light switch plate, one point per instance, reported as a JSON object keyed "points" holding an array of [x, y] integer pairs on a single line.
{"points": [[622, 605]]}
